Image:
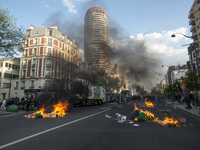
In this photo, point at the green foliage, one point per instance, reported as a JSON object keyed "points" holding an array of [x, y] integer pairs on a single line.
{"points": [[109, 83], [191, 81], [172, 88], [11, 36]]}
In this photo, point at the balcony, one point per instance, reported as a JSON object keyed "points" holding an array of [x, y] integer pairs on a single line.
{"points": [[191, 14], [192, 21]]}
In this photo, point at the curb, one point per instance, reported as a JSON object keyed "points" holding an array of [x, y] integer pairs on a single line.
{"points": [[189, 112]]}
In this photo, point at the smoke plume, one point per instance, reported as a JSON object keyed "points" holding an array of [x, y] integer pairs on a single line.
{"points": [[132, 54]]}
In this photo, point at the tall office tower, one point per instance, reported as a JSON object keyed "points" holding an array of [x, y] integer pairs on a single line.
{"points": [[97, 39]]}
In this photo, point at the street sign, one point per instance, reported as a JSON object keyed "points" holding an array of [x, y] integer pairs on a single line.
{"points": [[183, 87], [182, 83], [182, 78]]}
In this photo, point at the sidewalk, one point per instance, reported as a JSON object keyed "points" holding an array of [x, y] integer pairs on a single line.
{"points": [[3, 112], [194, 111]]}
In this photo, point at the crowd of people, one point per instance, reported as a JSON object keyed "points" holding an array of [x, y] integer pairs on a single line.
{"points": [[186, 97], [24, 102]]}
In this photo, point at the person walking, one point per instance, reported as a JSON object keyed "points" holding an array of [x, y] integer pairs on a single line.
{"points": [[187, 101], [3, 106], [28, 102]]}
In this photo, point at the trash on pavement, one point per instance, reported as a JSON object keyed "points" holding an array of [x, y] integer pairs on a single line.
{"points": [[136, 125], [121, 117], [142, 116], [107, 116], [131, 122], [121, 121], [182, 119]]}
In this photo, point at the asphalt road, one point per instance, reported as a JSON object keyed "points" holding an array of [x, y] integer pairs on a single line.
{"points": [[87, 128]]}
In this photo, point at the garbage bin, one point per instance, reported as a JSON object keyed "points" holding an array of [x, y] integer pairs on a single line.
{"points": [[31, 106], [12, 108]]}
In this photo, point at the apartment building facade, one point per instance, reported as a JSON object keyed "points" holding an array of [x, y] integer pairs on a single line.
{"points": [[9, 78], [194, 48], [48, 58]]}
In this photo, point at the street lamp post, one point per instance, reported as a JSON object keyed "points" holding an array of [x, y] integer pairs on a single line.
{"points": [[11, 77], [174, 35], [190, 45]]}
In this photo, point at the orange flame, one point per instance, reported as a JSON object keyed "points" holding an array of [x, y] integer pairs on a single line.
{"points": [[59, 111], [169, 121], [148, 104], [135, 107]]}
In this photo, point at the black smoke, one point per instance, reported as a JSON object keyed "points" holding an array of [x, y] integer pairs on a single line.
{"points": [[133, 55]]}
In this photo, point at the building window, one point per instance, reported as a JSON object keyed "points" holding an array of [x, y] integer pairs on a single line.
{"points": [[36, 41], [35, 51], [63, 47], [32, 84], [24, 74], [49, 51], [25, 52], [33, 63], [6, 85], [16, 85], [26, 42], [50, 32], [50, 42], [33, 73], [62, 55], [48, 63], [47, 73], [23, 83], [24, 64]]}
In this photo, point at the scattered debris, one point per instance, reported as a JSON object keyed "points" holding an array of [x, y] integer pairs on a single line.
{"points": [[182, 119], [136, 125], [121, 117], [131, 122], [107, 116]]}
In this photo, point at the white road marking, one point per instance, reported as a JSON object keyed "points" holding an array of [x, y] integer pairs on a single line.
{"points": [[60, 126]]}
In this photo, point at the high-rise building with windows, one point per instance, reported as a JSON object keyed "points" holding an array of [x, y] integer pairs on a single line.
{"points": [[97, 39], [194, 48]]}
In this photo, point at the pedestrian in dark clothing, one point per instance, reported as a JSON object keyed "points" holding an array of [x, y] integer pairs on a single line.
{"points": [[187, 101], [28, 102]]}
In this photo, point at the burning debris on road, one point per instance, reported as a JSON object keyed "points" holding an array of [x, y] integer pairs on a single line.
{"points": [[145, 115], [59, 111]]}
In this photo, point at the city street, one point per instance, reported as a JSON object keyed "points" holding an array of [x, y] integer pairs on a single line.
{"points": [[87, 128]]}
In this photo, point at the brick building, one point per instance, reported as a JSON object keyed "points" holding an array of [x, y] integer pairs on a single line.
{"points": [[49, 58]]}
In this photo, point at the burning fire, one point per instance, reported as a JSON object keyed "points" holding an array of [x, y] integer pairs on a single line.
{"points": [[169, 121], [148, 113], [148, 104], [135, 107], [59, 111]]}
